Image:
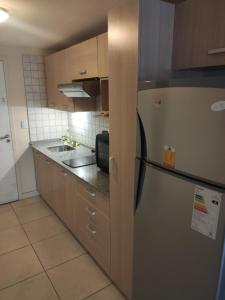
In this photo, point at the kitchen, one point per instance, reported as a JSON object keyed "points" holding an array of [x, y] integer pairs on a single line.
{"points": [[90, 191]]}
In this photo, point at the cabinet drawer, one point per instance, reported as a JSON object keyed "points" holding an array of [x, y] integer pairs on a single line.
{"points": [[95, 198], [94, 232]]}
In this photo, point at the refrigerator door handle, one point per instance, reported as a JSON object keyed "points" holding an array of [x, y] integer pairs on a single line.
{"points": [[142, 138], [221, 283], [140, 182]]}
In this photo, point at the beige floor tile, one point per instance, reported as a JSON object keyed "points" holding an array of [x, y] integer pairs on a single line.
{"points": [[8, 219], [18, 265], [28, 201], [78, 278], [35, 288], [11, 239], [4, 208], [109, 293], [44, 228], [28, 213], [58, 250]]}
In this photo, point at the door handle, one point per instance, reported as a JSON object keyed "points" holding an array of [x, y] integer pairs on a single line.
{"points": [[4, 137]]}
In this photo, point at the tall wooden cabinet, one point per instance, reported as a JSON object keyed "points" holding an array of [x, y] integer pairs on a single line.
{"points": [[103, 61], [199, 39], [123, 74], [140, 47]]}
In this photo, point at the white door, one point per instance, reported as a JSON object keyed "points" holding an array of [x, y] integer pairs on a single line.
{"points": [[8, 184]]}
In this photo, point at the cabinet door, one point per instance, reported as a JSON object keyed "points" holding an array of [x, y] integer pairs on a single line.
{"points": [[57, 73], [44, 181], [199, 39], [103, 55], [63, 199], [82, 60]]}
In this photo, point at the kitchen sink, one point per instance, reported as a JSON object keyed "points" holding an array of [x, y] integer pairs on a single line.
{"points": [[61, 148]]}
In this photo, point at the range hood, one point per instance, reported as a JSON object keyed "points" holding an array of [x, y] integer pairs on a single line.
{"points": [[86, 88]]}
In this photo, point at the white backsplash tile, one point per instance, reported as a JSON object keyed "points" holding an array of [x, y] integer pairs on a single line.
{"points": [[84, 127], [44, 123]]}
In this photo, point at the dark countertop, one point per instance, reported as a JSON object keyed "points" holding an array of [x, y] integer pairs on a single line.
{"points": [[89, 174]]}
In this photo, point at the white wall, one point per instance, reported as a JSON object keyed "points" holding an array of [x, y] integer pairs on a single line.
{"points": [[12, 57]]}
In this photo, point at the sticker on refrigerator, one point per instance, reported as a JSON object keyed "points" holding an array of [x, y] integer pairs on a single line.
{"points": [[169, 156], [206, 209]]}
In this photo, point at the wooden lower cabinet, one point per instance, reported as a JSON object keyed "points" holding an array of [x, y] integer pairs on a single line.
{"points": [[82, 209], [93, 226], [44, 167]]}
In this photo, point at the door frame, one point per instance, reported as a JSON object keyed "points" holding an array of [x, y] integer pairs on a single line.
{"points": [[3, 60]]}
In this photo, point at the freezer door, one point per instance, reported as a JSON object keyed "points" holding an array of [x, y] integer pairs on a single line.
{"points": [[186, 119], [171, 260]]}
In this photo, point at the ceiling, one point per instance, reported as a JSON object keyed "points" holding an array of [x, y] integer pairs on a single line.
{"points": [[53, 24]]}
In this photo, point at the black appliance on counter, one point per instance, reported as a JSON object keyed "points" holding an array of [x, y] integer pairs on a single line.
{"points": [[102, 151]]}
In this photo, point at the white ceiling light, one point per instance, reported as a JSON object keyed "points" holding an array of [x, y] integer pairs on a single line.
{"points": [[4, 15]]}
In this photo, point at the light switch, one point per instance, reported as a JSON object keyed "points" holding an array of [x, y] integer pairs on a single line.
{"points": [[24, 124]]}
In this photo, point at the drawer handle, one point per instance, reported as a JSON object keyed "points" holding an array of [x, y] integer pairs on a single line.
{"points": [[216, 51], [90, 212], [48, 162], [83, 72], [92, 194], [64, 174], [92, 231]]}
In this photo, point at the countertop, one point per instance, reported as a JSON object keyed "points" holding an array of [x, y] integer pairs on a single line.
{"points": [[89, 174]]}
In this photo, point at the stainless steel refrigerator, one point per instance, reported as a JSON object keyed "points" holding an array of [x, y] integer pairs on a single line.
{"points": [[180, 185]]}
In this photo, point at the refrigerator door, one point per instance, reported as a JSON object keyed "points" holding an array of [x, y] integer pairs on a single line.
{"points": [[190, 119], [171, 260]]}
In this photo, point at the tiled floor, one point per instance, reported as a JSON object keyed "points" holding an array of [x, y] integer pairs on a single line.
{"points": [[41, 260]]}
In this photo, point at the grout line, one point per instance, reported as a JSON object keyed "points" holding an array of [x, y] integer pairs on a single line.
{"points": [[86, 298], [41, 264], [24, 223], [27, 245], [46, 273], [20, 281], [47, 238], [51, 268]]}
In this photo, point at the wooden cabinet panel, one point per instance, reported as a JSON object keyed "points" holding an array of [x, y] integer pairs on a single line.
{"points": [[44, 181], [123, 74], [82, 60], [95, 198], [199, 39], [103, 55], [94, 231], [64, 192], [57, 73]]}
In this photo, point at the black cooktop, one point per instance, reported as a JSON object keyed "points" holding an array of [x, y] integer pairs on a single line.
{"points": [[80, 162]]}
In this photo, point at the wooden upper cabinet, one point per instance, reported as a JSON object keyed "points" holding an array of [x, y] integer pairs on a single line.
{"points": [[82, 60], [199, 39], [103, 55], [57, 73]]}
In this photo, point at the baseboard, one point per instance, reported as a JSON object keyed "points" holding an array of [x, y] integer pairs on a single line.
{"points": [[30, 194]]}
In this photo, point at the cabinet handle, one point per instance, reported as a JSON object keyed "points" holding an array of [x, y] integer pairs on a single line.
{"points": [[48, 162], [92, 213], [64, 174], [92, 194], [111, 165], [92, 231], [83, 72], [216, 51]]}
